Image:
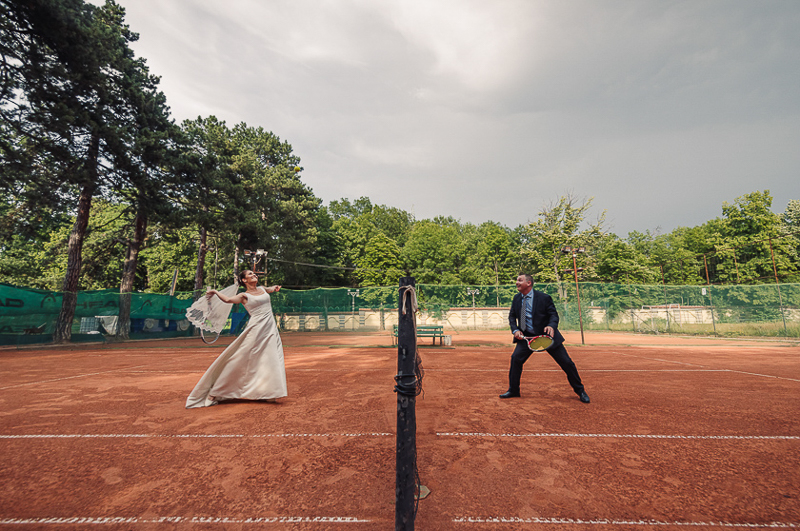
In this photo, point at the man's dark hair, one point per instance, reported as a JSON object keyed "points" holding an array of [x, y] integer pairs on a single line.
{"points": [[528, 277]]}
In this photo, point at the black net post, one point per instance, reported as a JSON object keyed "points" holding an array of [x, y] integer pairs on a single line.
{"points": [[405, 486]]}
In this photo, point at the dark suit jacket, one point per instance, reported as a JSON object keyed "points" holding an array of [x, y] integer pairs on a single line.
{"points": [[544, 314]]}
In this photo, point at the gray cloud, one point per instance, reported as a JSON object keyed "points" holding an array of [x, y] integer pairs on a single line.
{"points": [[659, 110]]}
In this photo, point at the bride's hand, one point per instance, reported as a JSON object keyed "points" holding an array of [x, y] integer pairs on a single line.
{"points": [[210, 293]]}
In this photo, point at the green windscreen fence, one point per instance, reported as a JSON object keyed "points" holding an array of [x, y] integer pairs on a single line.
{"points": [[29, 315]]}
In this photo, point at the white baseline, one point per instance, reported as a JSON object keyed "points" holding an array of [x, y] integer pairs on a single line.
{"points": [[623, 436]]}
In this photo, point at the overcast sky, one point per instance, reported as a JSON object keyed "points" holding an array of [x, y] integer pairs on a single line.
{"points": [[490, 110]]}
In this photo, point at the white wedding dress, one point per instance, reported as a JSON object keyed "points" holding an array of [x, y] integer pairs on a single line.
{"points": [[251, 367]]}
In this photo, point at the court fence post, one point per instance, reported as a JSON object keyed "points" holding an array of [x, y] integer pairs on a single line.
{"points": [[406, 466]]}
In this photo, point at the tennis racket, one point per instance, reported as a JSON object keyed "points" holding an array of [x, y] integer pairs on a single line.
{"points": [[212, 337], [539, 343]]}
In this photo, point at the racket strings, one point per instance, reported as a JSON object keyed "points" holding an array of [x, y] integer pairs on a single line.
{"points": [[539, 343]]}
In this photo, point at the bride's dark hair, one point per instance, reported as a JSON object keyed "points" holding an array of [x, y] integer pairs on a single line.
{"points": [[241, 276]]}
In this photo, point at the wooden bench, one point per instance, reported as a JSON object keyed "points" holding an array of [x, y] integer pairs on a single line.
{"points": [[433, 331]]}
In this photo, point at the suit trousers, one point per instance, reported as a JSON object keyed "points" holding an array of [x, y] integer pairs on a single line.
{"points": [[558, 353]]}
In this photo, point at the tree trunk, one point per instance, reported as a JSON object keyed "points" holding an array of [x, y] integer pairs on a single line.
{"points": [[497, 283], [201, 263], [63, 329], [129, 275], [216, 261], [236, 260], [562, 290]]}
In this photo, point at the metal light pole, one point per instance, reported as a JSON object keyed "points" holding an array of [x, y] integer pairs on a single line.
{"points": [[574, 251], [353, 293], [473, 292]]}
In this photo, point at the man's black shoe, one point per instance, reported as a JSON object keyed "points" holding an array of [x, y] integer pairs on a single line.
{"points": [[584, 397], [509, 394]]}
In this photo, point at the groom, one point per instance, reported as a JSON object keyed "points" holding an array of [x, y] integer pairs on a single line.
{"points": [[532, 314]]}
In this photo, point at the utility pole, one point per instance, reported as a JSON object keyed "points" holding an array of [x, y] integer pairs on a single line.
{"points": [[574, 251]]}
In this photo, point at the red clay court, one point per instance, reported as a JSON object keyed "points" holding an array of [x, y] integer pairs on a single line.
{"points": [[681, 432]]}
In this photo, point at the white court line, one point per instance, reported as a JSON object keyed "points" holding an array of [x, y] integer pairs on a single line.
{"points": [[168, 372], [350, 369], [698, 365], [69, 377], [438, 434], [603, 521], [186, 436], [625, 436], [655, 370], [448, 370], [153, 371], [658, 359], [583, 370], [764, 375], [387, 371], [112, 520]]}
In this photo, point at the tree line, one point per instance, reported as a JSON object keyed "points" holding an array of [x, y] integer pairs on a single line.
{"points": [[103, 190]]}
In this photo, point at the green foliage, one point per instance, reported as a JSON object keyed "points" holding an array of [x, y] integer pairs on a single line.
{"points": [[379, 265], [557, 226], [81, 117], [22, 263], [327, 254], [623, 262], [166, 251], [74, 96], [357, 223], [247, 190], [393, 222], [434, 252], [42, 264], [491, 254], [790, 219], [750, 216], [749, 243]]}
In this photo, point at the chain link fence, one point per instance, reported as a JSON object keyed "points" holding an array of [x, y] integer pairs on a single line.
{"points": [[767, 310]]}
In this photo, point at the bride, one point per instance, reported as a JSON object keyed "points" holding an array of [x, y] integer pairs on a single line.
{"points": [[251, 368]]}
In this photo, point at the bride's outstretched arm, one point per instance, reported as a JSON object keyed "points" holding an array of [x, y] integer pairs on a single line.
{"points": [[273, 289], [236, 299]]}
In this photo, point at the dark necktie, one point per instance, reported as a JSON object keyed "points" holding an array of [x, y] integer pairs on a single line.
{"points": [[528, 318]]}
